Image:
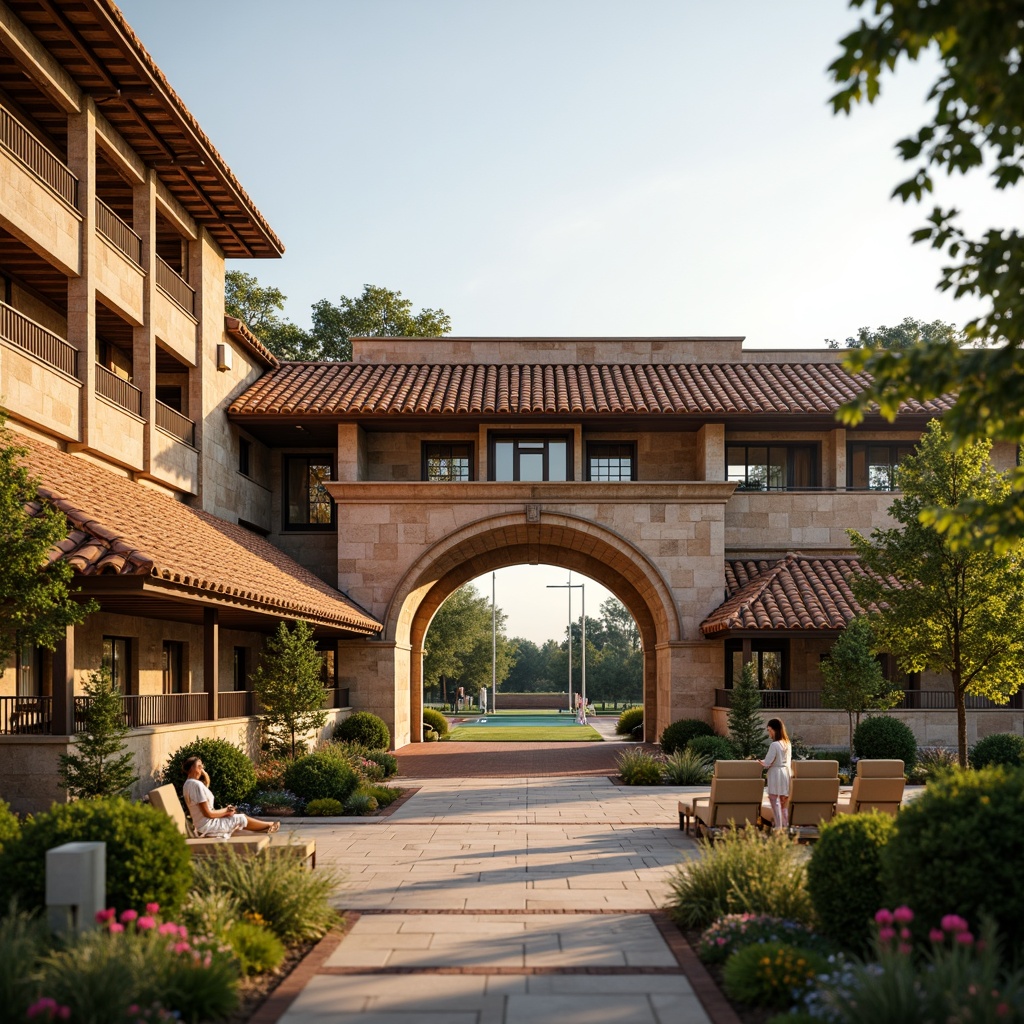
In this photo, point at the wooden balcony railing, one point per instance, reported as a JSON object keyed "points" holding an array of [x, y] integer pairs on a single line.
{"points": [[16, 328], [118, 390], [176, 424], [155, 708], [29, 151], [236, 703], [335, 697], [913, 700], [175, 287], [25, 715], [118, 233]]}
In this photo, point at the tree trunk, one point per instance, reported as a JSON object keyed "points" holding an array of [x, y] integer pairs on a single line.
{"points": [[849, 719], [961, 719]]}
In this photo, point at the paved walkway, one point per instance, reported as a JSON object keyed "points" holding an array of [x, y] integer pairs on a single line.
{"points": [[505, 901]]}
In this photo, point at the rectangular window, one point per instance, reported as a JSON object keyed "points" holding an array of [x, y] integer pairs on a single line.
{"points": [[240, 672], [307, 505], [449, 463], [872, 467], [611, 462], [244, 455], [526, 459], [29, 665], [772, 467], [174, 666], [769, 658], [117, 657]]}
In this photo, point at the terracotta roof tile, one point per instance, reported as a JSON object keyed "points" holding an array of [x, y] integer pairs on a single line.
{"points": [[118, 527], [797, 592], [370, 389]]}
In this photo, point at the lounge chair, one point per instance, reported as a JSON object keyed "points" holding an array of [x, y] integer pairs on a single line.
{"points": [[736, 791], [877, 786], [813, 795], [165, 798]]}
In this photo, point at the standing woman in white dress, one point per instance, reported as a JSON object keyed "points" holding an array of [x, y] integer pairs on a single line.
{"points": [[207, 821], [777, 761]]}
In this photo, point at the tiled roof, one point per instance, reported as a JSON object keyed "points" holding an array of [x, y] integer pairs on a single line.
{"points": [[338, 389], [796, 592], [239, 330], [119, 527]]}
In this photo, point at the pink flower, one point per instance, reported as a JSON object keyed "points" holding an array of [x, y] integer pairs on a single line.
{"points": [[44, 1005], [152, 908], [145, 923], [903, 915], [115, 927], [904, 948], [135, 1008], [127, 916], [883, 917], [103, 916], [905, 934], [720, 941], [886, 934], [964, 938], [937, 935], [1002, 1009], [168, 928], [183, 931], [954, 923], [181, 947]]}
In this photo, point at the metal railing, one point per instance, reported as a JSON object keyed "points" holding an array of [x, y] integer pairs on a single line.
{"points": [[34, 338], [25, 715], [175, 287], [117, 232], [235, 704], [29, 151], [118, 390], [155, 708], [913, 700], [177, 424], [335, 697]]}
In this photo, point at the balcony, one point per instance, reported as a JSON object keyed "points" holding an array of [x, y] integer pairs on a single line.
{"points": [[175, 424], [236, 703], [16, 328], [118, 390], [20, 143], [118, 233], [913, 700], [175, 287]]}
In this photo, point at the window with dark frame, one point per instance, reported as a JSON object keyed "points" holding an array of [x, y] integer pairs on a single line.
{"points": [[770, 663], [871, 465], [531, 459], [117, 657], [611, 461], [244, 456], [447, 462], [29, 670], [174, 666], [307, 504], [239, 670], [783, 467]]}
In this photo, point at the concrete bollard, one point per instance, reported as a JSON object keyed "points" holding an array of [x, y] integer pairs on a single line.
{"points": [[76, 885]]}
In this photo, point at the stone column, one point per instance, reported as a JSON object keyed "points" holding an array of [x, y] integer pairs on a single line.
{"points": [[211, 659], [144, 337], [838, 461], [711, 452], [416, 695], [377, 673], [63, 720]]}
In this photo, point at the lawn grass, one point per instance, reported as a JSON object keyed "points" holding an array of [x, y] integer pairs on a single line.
{"points": [[524, 734]]}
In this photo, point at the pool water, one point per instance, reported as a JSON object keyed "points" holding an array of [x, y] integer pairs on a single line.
{"points": [[517, 721]]}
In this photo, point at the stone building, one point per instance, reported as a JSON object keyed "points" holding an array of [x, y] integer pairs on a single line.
{"points": [[213, 491]]}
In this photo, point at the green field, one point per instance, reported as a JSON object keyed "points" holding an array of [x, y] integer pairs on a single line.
{"points": [[524, 734]]}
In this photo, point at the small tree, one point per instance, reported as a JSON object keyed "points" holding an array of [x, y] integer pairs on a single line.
{"points": [[288, 685], [853, 679], [746, 723], [102, 766]]}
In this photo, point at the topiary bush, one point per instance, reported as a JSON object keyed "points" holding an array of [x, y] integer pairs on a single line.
{"points": [[640, 768], [436, 721], [678, 734], [324, 808], [771, 974], [882, 736], [956, 850], [10, 826], [365, 728], [232, 775], [257, 949], [629, 720], [1000, 748], [844, 876], [717, 748], [147, 858], [321, 775]]}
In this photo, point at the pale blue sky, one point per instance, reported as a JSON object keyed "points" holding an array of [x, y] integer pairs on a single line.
{"points": [[576, 167]]}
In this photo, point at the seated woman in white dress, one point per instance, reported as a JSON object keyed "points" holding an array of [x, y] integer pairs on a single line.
{"points": [[211, 823]]}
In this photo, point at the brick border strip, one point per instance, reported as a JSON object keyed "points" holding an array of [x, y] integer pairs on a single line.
{"points": [[505, 972]]}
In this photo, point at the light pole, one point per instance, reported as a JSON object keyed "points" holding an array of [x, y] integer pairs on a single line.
{"points": [[570, 587], [494, 650]]}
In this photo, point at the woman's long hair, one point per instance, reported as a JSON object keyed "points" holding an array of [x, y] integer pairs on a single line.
{"points": [[778, 726]]}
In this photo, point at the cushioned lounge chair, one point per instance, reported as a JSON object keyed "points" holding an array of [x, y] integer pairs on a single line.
{"points": [[813, 796], [877, 786], [736, 791]]}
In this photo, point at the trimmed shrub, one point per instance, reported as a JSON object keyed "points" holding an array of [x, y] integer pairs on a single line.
{"points": [[365, 728], [324, 808], [257, 949], [384, 795], [361, 802], [882, 736], [436, 721], [956, 850], [844, 876], [232, 775], [1000, 748], [678, 734], [321, 775], [387, 761], [736, 931], [147, 859], [10, 826], [686, 768], [628, 721], [772, 974], [742, 872], [640, 768], [840, 754], [715, 748]]}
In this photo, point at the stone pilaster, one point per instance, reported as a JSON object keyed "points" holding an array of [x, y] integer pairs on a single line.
{"points": [[144, 337]]}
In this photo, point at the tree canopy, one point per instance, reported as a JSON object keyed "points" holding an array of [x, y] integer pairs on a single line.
{"points": [[906, 334], [976, 123], [939, 606]]}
